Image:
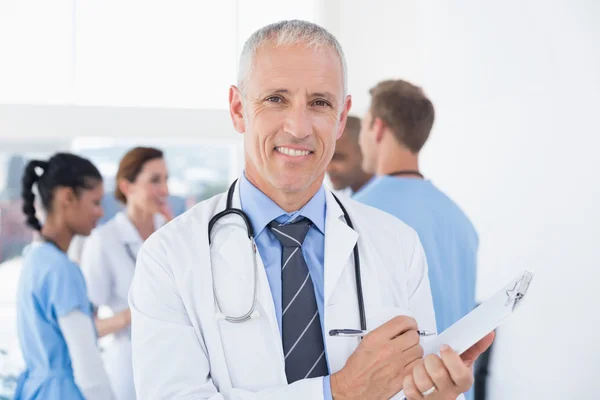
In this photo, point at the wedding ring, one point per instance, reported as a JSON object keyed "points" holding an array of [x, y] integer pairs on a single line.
{"points": [[429, 391]]}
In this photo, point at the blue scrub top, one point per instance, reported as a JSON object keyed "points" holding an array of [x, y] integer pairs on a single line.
{"points": [[50, 286], [448, 237]]}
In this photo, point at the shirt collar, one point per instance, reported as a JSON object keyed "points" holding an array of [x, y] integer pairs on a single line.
{"points": [[262, 210]]}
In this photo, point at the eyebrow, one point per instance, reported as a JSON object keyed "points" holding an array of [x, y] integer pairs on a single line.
{"points": [[329, 96], [277, 91]]}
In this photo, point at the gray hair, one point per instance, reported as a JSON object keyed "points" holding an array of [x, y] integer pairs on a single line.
{"points": [[285, 33]]}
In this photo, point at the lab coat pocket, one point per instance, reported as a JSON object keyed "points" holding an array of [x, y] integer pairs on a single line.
{"points": [[250, 349]]}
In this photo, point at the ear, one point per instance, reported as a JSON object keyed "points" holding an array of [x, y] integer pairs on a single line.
{"points": [[378, 129], [64, 197], [236, 109], [124, 185], [344, 116]]}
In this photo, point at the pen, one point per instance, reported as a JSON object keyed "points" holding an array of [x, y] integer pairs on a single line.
{"points": [[360, 333]]}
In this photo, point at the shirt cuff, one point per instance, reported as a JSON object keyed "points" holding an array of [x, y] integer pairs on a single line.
{"points": [[327, 388]]}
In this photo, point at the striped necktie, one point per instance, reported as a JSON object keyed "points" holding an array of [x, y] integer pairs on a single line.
{"points": [[301, 326]]}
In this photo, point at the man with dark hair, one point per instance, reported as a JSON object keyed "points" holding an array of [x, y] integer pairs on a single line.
{"points": [[345, 168], [394, 130]]}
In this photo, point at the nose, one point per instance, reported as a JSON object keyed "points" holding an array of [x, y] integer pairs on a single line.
{"points": [[164, 189], [298, 122]]}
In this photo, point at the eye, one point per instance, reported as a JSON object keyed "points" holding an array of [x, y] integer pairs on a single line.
{"points": [[155, 179], [322, 103], [274, 99]]}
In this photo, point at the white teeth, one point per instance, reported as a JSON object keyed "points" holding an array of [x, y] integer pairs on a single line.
{"points": [[292, 152]]}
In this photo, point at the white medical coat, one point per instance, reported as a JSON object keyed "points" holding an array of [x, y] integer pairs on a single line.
{"points": [[108, 269], [181, 350]]}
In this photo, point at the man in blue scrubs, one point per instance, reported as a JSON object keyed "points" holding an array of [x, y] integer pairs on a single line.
{"points": [[393, 132]]}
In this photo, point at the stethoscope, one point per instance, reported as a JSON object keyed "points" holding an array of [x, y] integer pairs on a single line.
{"points": [[229, 210]]}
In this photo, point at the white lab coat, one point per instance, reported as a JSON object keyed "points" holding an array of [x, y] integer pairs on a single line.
{"points": [[181, 350], [108, 269]]}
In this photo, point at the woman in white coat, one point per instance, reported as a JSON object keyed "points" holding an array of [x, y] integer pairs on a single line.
{"points": [[109, 255]]}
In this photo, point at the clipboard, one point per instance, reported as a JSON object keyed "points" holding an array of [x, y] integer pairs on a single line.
{"points": [[482, 320]]}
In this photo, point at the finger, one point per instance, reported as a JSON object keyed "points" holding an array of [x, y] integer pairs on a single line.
{"points": [[475, 351], [395, 327], [409, 368], [459, 372], [412, 354], [439, 374], [410, 389], [422, 379], [406, 341]]}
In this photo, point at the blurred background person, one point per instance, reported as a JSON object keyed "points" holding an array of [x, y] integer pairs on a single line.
{"points": [[111, 206], [345, 169], [109, 254], [54, 316], [393, 133]]}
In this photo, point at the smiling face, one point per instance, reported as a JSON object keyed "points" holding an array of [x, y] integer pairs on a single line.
{"points": [[293, 111], [149, 191]]}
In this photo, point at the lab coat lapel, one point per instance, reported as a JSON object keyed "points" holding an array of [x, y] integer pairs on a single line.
{"points": [[340, 290], [339, 243], [244, 270]]}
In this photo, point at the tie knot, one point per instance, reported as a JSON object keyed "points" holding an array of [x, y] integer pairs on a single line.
{"points": [[291, 235]]}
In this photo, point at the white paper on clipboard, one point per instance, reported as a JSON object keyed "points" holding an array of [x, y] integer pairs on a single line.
{"points": [[482, 320]]}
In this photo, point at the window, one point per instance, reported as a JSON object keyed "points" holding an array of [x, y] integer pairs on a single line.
{"points": [[175, 54], [36, 51], [198, 169], [178, 54]]}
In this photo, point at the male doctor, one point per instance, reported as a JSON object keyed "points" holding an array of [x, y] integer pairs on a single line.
{"points": [[291, 105]]}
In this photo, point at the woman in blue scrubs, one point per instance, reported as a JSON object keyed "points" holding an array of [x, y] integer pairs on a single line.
{"points": [[54, 315]]}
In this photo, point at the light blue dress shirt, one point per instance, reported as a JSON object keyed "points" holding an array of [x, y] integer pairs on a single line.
{"points": [[262, 210]]}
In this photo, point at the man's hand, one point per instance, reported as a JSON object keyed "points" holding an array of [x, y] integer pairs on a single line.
{"points": [[444, 378], [378, 366]]}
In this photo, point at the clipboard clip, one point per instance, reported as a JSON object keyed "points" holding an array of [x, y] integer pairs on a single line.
{"points": [[518, 291]]}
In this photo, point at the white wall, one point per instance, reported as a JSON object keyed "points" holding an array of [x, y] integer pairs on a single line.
{"points": [[171, 54], [517, 90], [367, 33]]}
